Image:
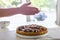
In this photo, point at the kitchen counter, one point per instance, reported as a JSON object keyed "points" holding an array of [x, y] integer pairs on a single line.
{"points": [[53, 34]]}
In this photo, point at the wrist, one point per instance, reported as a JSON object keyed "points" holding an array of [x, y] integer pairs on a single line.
{"points": [[18, 10]]}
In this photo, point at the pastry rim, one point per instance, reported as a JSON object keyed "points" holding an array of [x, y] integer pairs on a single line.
{"points": [[31, 33]]}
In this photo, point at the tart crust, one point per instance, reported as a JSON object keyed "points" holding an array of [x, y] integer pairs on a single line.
{"points": [[31, 33], [44, 31]]}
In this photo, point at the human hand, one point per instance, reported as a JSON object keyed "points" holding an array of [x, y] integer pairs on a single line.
{"points": [[28, 10]]}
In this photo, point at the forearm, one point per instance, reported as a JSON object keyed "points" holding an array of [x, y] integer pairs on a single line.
{"points": [[9, 12]]}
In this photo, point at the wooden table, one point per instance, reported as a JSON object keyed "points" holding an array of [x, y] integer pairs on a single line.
{"points": [[53, 34]]}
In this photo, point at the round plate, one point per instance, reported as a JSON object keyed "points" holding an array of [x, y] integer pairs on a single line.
{"points": [[23, 36]]}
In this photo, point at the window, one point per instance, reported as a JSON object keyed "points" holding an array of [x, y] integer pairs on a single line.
{"points": [[47, 8], [46, 16]]}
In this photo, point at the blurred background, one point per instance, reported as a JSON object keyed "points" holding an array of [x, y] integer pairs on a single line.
{"points": [[46, 16]]}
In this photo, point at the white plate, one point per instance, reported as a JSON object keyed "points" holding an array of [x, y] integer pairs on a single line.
{"points": [[23, 36]]}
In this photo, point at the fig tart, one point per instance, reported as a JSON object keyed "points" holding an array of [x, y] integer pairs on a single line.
{"points": [[31, 30]]}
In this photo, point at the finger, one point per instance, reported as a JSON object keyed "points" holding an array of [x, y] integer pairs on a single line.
{"points": [[28, 3], [36, 10]]}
